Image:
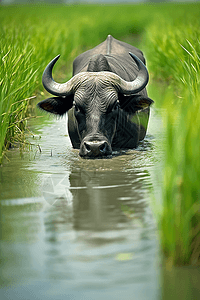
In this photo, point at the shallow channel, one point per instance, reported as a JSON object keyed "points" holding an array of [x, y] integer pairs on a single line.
{"points": [[78, 229]]}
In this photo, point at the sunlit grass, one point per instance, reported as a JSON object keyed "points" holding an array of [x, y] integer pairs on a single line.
{"points": [[17, 81], [177, 208]]}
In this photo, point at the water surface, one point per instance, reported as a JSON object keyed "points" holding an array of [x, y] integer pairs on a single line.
{"points": [[78, 229]]}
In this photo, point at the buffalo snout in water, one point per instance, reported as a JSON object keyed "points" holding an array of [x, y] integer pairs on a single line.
{"points": [[94, 149]]}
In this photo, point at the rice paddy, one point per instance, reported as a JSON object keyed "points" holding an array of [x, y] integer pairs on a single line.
{"points": [[168, 34]]}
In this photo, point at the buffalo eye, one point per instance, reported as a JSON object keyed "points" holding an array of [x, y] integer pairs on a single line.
{"points": [[113, 107], [78, 109]]}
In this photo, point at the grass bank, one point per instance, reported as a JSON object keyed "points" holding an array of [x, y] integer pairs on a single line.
{"points": [[176, 63], [168, 34]]}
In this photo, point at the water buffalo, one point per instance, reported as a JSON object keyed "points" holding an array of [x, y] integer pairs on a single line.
{"points": [[106, 99]]}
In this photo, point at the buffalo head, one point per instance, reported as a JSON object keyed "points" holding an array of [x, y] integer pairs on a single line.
{"points": [[95, 99]]}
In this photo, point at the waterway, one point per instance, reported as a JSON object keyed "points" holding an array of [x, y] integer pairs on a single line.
{"points": [[79, 229]]}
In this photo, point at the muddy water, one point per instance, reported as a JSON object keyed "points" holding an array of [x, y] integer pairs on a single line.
{"points": [[78, 229]]}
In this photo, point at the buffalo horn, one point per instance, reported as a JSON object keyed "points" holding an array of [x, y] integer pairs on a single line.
{"points": [[57, 89], [125, 87], [139, 83]]}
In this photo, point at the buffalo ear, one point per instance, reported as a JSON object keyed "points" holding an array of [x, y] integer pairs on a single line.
{"points": [[143, 102], [57, 105], [134, 103]]}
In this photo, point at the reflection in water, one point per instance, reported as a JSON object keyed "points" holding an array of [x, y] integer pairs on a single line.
{"points": [[104, 239], [79, 229], [181, 283], [101, 199]]}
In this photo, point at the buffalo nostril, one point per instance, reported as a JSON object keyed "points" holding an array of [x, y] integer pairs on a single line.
{"points": [[95, 148], [102, 147], [87, 146]]}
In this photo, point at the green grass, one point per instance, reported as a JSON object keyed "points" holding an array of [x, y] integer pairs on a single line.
{"points": [[168, 34], [177, 208], [16, 79], [179, 218]]}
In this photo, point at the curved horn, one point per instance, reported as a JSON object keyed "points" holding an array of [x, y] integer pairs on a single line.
{"points": [[139, 83], [54, 88]]}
